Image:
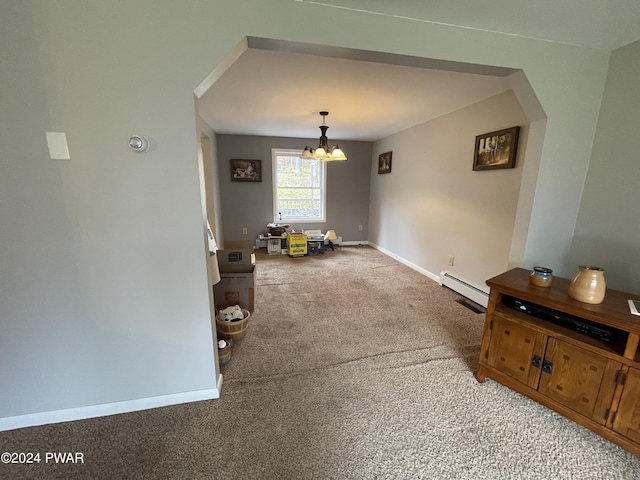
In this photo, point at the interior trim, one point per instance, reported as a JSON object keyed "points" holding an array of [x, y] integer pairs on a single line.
{"points": [[102, 410]]}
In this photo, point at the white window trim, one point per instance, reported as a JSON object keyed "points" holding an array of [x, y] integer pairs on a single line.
{"points": [[274, 166]]}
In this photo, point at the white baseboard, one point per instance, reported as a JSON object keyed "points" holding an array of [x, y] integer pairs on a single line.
{"points": [[102, 410], [409, 264], [352, 243]]}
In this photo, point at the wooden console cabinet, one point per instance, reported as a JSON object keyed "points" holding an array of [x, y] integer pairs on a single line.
{"points": [[592, 380]]}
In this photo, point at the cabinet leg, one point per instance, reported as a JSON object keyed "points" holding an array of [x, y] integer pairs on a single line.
{"points": [[480, 374]]}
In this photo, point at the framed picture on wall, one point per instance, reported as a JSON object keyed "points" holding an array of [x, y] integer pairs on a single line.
{"points": [[246, 170], [496, 149], [384, 163]]}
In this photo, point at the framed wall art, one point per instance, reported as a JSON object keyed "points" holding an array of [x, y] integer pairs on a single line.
{"points": [[246, 170], [496, 149], [384, 163]]}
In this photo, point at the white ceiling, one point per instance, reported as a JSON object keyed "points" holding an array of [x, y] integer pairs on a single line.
{"points": [[601, 24], [276, 93], [277, 89]]}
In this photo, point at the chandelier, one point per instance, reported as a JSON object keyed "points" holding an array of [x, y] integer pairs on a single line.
{"points": [[323, 152]]}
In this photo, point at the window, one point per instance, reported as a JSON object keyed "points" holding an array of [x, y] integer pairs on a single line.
{"points": [[298, 187]]}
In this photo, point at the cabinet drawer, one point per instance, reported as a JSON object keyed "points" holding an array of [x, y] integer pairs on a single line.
{"points": [[627, 420], [513, 347], [574, 377]]}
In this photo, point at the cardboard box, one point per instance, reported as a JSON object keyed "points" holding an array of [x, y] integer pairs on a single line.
{"points": [[237, 279], [297, 251], [296, 244]]}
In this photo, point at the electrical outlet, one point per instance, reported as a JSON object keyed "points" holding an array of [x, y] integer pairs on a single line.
{"points": [[244, 231], [359, 228], [451, 261]]}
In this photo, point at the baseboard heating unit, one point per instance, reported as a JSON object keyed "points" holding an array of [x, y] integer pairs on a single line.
{"points": [[464, 288]]}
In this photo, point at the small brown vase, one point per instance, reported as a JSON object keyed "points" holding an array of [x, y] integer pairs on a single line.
{"points": [[588, 285], [541, 277]]}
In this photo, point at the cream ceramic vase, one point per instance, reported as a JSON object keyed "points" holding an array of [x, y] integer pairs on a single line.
{"points": [[588, 285]]}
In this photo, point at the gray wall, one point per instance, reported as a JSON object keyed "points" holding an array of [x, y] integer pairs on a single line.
{"points": [[103, 276], [250, 204], [608, 229], [433, 205]]}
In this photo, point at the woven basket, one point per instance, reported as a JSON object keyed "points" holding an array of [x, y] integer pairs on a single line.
{"points": [[224, 354], [233, 330]]}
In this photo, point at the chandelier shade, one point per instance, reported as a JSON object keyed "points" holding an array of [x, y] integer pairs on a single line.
{"points": [[323, 152]]}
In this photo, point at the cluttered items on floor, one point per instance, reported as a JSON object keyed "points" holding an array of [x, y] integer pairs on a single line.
{"points": [[224, 351], [276, 229], [296, 244], [274, 238], [278, 241], [232, 323], [231, 314], [237, 279]]}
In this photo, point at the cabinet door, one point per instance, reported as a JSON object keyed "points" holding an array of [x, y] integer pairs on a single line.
{"points": [[627, 421], [579, 379], [513, 347]]}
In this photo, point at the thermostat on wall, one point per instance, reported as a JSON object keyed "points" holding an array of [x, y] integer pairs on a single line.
{"points": [[139, 143]]}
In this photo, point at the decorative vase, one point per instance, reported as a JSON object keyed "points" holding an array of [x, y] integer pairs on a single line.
{"points": [[541, 277], [588, 285]]}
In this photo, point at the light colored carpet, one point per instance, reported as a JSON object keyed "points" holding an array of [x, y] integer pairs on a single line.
{"points": [[354, 367]]}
